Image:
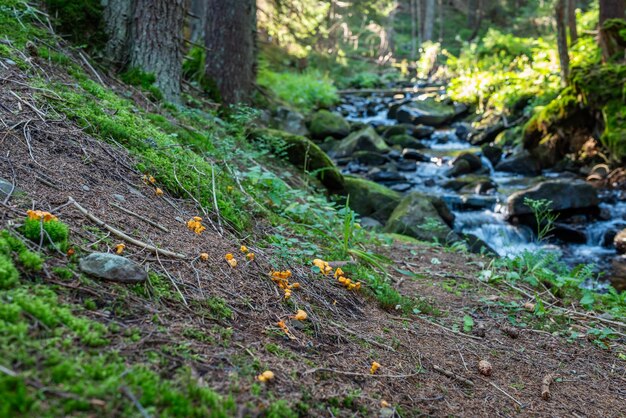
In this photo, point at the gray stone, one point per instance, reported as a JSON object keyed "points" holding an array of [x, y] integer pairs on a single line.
{"points": [[363, 140], [422, 217], [522, 163], [371, 199], [290, 121], [119, 198], [6, 187], [325, 123], [113, 267], [564, 195]]}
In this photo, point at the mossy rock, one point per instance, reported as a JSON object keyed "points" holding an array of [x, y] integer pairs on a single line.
{"points": [[424, 218], [404, 141], [427, 112], [371, 199], [304, 154], [364, 140], [324, 124], [405, 239]]}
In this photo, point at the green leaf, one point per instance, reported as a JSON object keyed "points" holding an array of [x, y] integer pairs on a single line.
{"points": [[468, 324], [587, 300]]}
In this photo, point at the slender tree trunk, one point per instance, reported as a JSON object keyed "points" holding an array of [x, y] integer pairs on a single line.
{"points": [[429, 20], [413, 8], [609, 9], [419, 14], [441, 21], [561, 34], [117, 15], [156, 42], [230, 42], [571, 21]]}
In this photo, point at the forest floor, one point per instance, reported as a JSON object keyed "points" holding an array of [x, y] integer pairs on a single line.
{"points": [[221, 322], [325, 361]]}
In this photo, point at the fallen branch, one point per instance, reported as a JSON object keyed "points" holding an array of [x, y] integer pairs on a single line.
{"points": [[122, 235], [373, 342], [453, 376], [505, 393], [392, 376], [545, 387], [138, 216]]}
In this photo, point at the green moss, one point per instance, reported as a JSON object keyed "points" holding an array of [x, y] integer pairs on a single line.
{"points": [[371, 199], [614, 135], [137, 77], [54, 231], [30, 260], [324, 124], [9, 276]]}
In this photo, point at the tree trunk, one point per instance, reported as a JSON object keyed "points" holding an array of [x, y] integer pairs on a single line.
{"points": [[156, 43], [441, 21], [230, 42], [571, 21], [472, 12], [561, 35], [117, 15], [429, 20], [413, 8], [610, 9], [197, 24]]}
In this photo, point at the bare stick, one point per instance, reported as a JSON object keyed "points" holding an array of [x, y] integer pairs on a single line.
{"points": [[392, 376], [545, 387], [122, 235], [138, 216], [217, 209], [506, 393], [93, 70], [37, 111], [349, 331], [453, 376], [126, 391]]}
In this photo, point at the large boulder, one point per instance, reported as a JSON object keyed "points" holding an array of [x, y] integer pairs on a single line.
{"points": [[564, 195], [371, 199], [427, 112], [112, 267], [324, 124], [422, 217], [620, 242], [522, 163], [404, 141], [465, 163], [492, 153], [364, 140], [290, 121], [306, 155]]}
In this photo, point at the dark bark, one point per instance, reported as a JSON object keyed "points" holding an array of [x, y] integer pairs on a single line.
{"points": [[156, 42], [230, 42], [413, 8], [197, 21], [117, 15], [429, 19], [610, 9], [571, 21], [472, 13], [561, 35]]}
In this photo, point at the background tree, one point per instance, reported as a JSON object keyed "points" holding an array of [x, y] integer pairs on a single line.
{"points": [[230, 42], [609, 34], [429, 20], [571, 21], [561, 39], [147, 35]]}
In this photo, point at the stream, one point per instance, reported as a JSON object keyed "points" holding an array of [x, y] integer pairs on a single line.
{"points": [[483, 212]]}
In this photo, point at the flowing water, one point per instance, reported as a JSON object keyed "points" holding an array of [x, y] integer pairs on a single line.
{"points": [[484, 215]]}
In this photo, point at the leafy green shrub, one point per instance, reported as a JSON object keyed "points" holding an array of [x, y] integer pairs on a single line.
{"points": [[304, 91], [9, 276], [80, 19], [55, 231], [365, 81]]}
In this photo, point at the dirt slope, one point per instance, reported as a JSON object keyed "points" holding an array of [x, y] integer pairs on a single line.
{"points": [[324, 368]]}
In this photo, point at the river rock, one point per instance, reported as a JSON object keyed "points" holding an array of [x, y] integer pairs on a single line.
{"points": [[620, 242], [324, 124], [465, 163], [427, 112], [422, 131], [462, 130], [521, 163], [290, 121], [6, 187], [465, 182], [478, 246], [492, 153], [486, 135], [618, 273], [564, 195], [422, 217], [401, 129], [305, 154], [385, 176], [414, 155], [113, 267], [370, 223], [364, 140], [404, 141], [401, 187], [408, 166], [568, 233], [370, 158], [371, 199]]}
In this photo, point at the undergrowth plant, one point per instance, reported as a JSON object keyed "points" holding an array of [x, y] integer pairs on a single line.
{"points": [[544, 216]]}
